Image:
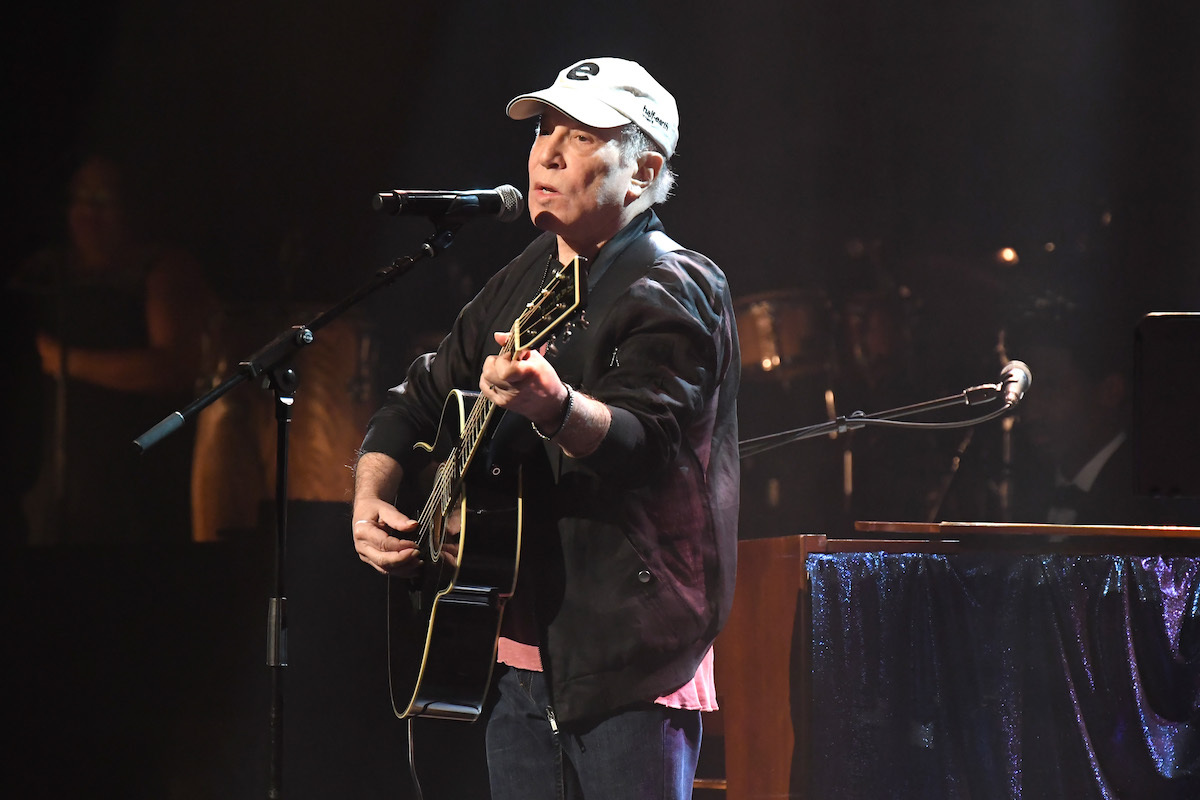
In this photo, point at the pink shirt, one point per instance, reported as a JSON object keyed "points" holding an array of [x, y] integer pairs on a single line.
{"points": [[698, 694]]}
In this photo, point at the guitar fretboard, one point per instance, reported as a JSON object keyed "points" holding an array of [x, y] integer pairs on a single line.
{"points": [[547, 308]]}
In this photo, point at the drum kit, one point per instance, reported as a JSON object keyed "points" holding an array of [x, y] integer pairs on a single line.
{"points": [[925, 331], [807, 360], [790, 359]]}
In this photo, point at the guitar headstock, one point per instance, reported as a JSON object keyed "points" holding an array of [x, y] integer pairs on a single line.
{"points": [[559, 299]]}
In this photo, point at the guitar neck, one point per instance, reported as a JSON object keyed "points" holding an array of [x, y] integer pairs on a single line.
{"points": [[477, 421], [553, 305], [473, 430]]}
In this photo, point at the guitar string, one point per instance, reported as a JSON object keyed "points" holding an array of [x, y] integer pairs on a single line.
{"points": [[480, 411], [477, 420]]}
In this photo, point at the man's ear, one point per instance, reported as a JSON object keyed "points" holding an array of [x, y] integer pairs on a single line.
{"points": [[649, 165]]}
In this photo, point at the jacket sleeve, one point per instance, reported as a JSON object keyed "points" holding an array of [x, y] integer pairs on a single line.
{"points": [[663, 352]]}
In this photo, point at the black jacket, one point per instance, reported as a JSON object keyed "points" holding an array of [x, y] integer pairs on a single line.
{"points": [[628, 574]]}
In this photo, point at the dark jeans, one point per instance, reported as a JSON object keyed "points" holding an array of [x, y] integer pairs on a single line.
{"points": [[644, 753]]}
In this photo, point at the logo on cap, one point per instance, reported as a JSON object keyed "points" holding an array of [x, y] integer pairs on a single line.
{"points": [[654, 118], [583, 71]]}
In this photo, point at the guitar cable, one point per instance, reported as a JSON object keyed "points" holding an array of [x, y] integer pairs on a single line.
{"points": [[412, 763]]}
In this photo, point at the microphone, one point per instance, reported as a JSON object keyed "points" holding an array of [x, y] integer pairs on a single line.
{"points": [[505, 203], [1015, 378]]}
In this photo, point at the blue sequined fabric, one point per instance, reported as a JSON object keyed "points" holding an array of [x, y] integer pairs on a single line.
{"points": [[1004, 676]]}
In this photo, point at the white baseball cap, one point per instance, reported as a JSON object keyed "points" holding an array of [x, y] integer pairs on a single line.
{"points": [[608, 93]]}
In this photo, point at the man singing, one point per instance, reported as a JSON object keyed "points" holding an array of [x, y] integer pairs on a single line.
{"points": [[629, 443]]}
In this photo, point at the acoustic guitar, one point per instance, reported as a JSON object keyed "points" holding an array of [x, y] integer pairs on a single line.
{"points": [[443, 625]]}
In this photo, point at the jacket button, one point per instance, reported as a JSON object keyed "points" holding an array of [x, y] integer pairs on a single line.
{"points": [[644, 576]]}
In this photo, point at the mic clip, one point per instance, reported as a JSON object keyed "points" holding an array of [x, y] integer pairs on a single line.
{"points": [[983, 393]]}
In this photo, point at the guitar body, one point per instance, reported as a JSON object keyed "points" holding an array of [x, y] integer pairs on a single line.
{"points": [[443, 626]]}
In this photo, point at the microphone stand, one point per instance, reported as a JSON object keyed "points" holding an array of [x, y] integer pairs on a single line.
{"points": [[973, 396], [272, 361]]}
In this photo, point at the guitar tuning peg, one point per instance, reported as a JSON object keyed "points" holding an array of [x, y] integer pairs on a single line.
{"points": [[552, 348]]}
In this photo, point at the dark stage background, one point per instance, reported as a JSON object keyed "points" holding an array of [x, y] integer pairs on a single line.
{"points": [[833, 156]]}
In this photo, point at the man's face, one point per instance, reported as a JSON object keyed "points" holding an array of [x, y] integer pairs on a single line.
{"points": [[578, 186]]}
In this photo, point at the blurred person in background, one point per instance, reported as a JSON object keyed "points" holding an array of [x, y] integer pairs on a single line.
{"points": [[118, 318], [1073, 462]]}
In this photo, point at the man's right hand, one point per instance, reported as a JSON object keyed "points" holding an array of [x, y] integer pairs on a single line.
{"points": [[379, 538]]}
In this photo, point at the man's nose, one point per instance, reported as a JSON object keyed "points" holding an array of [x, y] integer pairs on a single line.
{"points": [[548, 151]]}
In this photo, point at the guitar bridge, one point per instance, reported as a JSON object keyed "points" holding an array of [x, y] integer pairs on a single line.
{"points": [[467, 595]]}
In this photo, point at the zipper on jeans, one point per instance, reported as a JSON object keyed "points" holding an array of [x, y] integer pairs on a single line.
{"points": [[554, 728]]}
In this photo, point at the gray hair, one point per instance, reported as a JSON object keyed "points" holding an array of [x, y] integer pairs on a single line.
{"points": [[634, 142]]}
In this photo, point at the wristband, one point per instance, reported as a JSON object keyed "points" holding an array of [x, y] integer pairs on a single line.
{"points": [[566, 416]]}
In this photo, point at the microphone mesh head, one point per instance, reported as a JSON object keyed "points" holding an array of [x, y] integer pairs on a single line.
{"points": [[513, 200]]}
